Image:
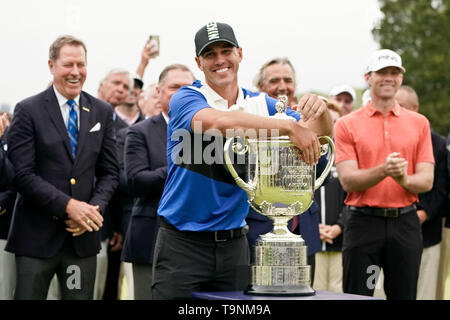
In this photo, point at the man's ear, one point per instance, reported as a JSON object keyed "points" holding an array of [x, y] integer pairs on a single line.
{"points": [[197, 60], [240, 53], [367, 77], [51, 66]]}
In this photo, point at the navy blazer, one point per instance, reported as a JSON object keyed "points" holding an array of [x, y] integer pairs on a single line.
{"points": [[47, 176], [434, 202], [6, 171], [119, 210], [7, 192], [146, 170]]}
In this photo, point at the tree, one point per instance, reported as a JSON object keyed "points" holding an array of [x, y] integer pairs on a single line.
{"points": [[419, 30]]}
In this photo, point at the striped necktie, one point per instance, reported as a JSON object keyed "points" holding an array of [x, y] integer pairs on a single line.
{"points": [[72, 127]]}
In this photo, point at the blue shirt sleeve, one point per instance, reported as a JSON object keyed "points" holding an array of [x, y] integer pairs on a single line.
{"points": [[272, 110], [183, 105]]}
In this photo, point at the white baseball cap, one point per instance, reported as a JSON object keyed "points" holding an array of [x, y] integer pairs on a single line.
{"points": [[384, 58], [343, 88]]}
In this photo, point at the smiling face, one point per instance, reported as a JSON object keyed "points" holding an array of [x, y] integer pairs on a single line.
{"points": [[385, 82], [278, 80], [69, 70], [220, 64]]}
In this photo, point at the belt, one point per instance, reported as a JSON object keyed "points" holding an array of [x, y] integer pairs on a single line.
{"points": [[383, 212], [209, 236]]}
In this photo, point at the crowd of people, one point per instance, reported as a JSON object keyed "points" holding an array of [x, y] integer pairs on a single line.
{"points": [[97, 189]]}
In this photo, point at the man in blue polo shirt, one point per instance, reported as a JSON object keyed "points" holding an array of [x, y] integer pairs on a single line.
{"points": [[201, 244]]}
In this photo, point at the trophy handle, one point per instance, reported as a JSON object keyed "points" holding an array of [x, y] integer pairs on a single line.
{"points": [[325, 172], [248, 188]]}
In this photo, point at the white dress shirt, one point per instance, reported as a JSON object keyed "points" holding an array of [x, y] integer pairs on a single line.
{"points": [[65, 108]]}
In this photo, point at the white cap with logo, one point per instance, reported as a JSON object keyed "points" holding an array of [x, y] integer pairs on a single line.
{"points": [[343, 88], [384, 58]]}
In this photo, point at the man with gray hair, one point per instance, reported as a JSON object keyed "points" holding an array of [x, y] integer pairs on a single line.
{"points": [[277, 77], [61, 143], [151, 105], [115, 86], [114, 89]]}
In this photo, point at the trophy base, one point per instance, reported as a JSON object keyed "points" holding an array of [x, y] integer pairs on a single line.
{"points": [[287, 291]]}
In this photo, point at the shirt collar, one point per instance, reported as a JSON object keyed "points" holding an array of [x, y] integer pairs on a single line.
{"points": [[371, 111], [165, 117], [125, 119], [63, 100], [217, 99]]}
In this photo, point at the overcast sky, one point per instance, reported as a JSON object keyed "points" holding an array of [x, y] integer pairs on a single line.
{"points": [[328, 41]]}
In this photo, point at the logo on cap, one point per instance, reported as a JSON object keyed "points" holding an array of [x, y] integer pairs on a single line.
{"points": [[384, 58], [388, 57], [213, 31]]}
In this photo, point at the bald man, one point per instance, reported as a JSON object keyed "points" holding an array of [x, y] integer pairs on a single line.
{"points": [[407, 98], [430, 206]]}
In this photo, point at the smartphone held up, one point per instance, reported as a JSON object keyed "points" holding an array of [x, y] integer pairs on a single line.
{"points": [[153, 41]]}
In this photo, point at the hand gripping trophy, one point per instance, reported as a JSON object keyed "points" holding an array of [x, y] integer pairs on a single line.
{"points": [[279, 185]]}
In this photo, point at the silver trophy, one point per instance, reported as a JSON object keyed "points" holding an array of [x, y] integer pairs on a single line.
{"points": [[279, 185]]}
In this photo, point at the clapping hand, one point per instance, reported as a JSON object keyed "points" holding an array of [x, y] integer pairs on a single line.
{"points": [[396, 168]]}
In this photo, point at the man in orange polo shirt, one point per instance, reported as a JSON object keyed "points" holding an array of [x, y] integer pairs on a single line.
{"points": [[384, 158]]}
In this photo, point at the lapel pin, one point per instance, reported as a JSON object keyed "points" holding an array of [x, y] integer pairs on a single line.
{"points": [[85, 109]]}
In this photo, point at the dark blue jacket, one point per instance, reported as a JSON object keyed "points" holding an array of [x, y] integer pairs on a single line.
{"points": [[47, 175], [146, 172]]}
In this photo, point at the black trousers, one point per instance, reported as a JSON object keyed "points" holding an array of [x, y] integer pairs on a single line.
{"points": [[76, 276], [393, 244], [142, 279], [183, 265], [112, 275]]}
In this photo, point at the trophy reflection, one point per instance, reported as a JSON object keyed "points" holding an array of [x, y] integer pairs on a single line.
{"points": [[279, 185]]}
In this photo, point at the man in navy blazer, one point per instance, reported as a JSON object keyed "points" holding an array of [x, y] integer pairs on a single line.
{"points": [[146, 171], [58, 209]]}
